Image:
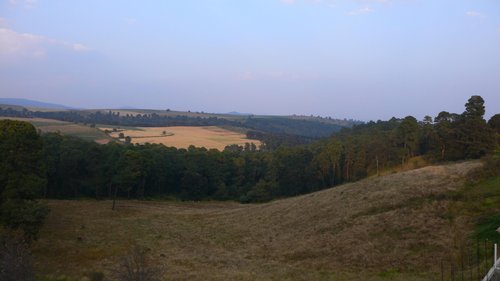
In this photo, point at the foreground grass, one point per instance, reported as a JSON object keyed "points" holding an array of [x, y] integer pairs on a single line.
{"points": [[395, 227], [480, 202]]}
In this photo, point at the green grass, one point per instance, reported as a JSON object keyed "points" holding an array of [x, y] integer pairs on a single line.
{"points": [[482, 201], [479, 202], [89, 134], [487, 208], [486, 228]]}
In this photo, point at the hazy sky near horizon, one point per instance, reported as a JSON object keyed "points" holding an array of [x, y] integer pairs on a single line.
{"points": [[361, 59]]}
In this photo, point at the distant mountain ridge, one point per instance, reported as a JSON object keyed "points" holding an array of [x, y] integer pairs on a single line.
{"points": [[238, 113], [32, 103]]}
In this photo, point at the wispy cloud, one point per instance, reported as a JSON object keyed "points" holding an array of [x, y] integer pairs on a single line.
{"points": [[77, 47], [246, 76], [335, 3], [14, 45], [361, 11], [473, 14], [130, 21], [329, 3], [3, 22], [276, 75], [24, 3]]}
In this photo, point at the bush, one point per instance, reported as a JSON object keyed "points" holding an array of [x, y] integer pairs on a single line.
{"points": [[263, 191], [25, 215], [489, 169]]}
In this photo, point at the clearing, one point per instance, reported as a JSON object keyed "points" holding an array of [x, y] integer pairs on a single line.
{"points": [[391, 227], [184, 136]]}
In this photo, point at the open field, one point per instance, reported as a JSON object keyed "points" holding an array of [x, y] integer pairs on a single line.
{"points": [[392, 227], [66, 128], [183, 137]]}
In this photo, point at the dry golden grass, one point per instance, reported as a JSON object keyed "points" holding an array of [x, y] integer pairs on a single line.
{"points": [[183, 137], [385, 228]]}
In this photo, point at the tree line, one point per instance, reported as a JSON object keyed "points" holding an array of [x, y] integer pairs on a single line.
{"points": [[56, 166], [76, 168]]}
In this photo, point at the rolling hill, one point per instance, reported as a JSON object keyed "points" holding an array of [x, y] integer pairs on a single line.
{"points": [[293, 129], [32, 103], [393, 227], [66, 128]]}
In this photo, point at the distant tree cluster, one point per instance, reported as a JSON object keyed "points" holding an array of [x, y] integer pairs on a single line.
{"points": [[449, 136]]}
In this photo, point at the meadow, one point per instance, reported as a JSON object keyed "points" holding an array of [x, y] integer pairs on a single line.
{"points": [[183, 136], [382, 228]]}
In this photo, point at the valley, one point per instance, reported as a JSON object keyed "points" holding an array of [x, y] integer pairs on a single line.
{"points": [[382, 228]]}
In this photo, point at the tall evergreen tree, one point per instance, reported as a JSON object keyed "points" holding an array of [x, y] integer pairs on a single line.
{"points": [[476, 137], [21, 177]]}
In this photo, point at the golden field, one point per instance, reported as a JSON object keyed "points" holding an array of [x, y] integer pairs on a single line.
{"points": [[184, 136]]}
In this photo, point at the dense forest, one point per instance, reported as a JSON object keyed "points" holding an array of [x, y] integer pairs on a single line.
{"points": [[75, 168]]}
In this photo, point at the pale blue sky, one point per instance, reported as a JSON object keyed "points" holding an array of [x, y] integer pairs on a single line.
{"points": [[361, 59]]}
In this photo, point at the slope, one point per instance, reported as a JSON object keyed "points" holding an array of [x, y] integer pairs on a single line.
{"points": [[66, 128], [32, 103], [387, 228]]}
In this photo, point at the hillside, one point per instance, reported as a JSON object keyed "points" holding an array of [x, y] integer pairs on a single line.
{"points": [[392, 227], [66, 128], [32, 104]]}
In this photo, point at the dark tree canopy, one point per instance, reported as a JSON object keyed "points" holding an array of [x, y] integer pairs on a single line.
{"points": [[474, 108], [494, 123], [22, 177]]}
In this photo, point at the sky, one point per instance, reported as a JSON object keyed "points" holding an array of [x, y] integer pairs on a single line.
{"points": [[359, 59]]}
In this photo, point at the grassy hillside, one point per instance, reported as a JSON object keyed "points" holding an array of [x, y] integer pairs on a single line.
{"points": [[394, 227], [32, 103]]}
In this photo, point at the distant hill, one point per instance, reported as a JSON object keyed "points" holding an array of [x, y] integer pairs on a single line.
{"points": [[238, 113], [273, 130], [32, 103]]}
